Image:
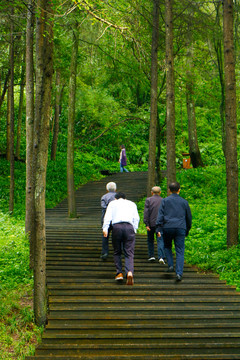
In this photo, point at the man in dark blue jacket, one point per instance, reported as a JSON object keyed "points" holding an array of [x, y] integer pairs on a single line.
{"points": [[175, 220]]}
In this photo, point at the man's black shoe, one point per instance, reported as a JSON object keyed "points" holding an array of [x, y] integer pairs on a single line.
{"points": [[178, 278]]}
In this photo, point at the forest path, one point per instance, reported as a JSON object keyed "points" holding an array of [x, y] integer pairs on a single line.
{"points": [[93, 317]]}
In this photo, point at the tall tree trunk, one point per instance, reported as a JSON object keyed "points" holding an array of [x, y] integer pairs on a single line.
{"points": [[56, 115], [154, 83], [44, 72], [158, 159], [5, 87], [231, 125], [170, 116], [20, 109], [11, 99], [71, 120], [218, 45], [30, 205], [192, 126], [8, 119]]}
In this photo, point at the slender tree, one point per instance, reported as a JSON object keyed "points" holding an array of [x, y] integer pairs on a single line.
{"points": [[20, 106], [30, 205], [153, 106], [231, 125], [44, 73], [72, 212], [170, 93], [8, 124], [56, 115], [192, 126], [11, 108], [218, 46], [5, 87]]}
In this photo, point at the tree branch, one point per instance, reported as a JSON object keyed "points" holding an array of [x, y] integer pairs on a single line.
{"points": [[110, 127]]}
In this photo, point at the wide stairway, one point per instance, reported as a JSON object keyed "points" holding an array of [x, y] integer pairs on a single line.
{"points": [[93, 317]]}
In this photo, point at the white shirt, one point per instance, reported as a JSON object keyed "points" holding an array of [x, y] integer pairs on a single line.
{"points": [[121, 210]]}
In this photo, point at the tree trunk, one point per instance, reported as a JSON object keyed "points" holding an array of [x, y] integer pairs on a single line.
{"points": [[154, 83], [30, 206], [170, 118], [71, 120], [11, 108], [44, 72], [231, 125], [218, 45], [57, 114], [5, 87], [192, 127], [20, 110], [158, 159], [8, 119]]}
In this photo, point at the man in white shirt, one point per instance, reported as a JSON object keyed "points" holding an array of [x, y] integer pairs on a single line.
{"points": [[124, 217]]}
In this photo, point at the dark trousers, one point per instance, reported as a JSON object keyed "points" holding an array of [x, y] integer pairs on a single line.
{"points": [[105, 249], [178, 235], [160, 244], [123, 237]]}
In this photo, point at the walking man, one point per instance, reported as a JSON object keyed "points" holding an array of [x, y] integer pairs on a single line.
{"points": [[124, 217], [151, 208], [105, 200], [175, 217]]}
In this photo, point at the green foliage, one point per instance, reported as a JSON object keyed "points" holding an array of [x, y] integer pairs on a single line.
{"points": [[14, 252], [18, 333]]}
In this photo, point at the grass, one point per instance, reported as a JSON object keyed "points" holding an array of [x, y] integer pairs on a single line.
{"points": [[18, 333]]}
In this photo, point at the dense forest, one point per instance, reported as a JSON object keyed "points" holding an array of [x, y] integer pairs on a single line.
{"points": [[80, 78]]}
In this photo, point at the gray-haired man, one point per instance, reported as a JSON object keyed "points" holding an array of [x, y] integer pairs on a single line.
{"points": [[111, 188]]}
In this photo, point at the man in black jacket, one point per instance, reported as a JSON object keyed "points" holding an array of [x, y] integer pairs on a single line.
{"points": [[175, 218], [151, 208]]}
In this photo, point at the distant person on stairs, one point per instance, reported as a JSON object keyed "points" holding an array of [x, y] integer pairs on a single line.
{"points": [[151, 208], [123, 159], [175, 218], [111, 188], [124, 217]]}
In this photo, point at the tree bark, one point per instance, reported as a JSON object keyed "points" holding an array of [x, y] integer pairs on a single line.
{"points": [[72, 212], [22, 84], [231, 125], [8, 119], [11, 108], [153, 107], [158, 159], [218, 45], [170, 105], [56, 116], [30, 205], [195, 154], [5, 87], [44, 72]]}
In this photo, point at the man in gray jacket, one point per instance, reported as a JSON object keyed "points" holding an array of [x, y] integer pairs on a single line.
{"points": [[175, 218], [151, 208], [105, 200]]}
